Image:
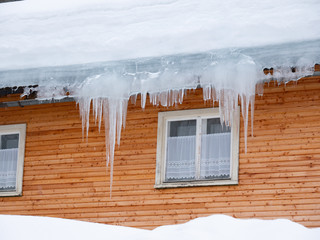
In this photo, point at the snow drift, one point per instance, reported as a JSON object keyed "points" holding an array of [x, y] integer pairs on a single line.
{"points": [[212, 227]]}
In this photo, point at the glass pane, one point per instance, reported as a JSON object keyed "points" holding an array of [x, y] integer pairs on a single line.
{"points": [[182, 128], [9, 141], [181, 146], [213, 125], [215, 150], [8, 162]]}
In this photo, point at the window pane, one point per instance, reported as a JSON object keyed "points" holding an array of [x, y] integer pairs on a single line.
{"points": [[213, 125], [182, 128], [215, 150], [181, 145], [8, 162], [9, 141]]}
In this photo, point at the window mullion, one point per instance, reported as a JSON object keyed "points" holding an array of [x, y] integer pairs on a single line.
{"points": [[198, 148]]}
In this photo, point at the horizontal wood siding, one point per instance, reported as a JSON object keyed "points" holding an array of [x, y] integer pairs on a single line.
{"points": [[65, 173]]}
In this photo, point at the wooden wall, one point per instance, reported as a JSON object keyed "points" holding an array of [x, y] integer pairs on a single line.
{"points": [[65, 175]]}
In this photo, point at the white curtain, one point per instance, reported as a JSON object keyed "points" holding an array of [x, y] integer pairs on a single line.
{"points": [[215, 156], [8, 168], [180, 163]]}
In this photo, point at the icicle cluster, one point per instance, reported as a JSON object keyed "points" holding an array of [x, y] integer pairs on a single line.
{"points": [[109, 104], [226, 79]]}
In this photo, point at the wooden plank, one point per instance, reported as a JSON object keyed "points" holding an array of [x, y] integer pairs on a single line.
{"points": [[65, 173]]}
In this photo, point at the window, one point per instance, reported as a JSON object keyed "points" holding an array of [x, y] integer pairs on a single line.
{"points": [[12, 144], [195, 149]]}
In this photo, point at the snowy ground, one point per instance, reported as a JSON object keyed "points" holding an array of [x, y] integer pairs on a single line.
{"points": [[213, 227]]}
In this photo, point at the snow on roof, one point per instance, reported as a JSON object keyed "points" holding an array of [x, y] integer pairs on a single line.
{"points": [[212, 227], [36, 33]]}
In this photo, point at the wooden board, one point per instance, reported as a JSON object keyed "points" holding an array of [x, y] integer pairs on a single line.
{"points": [[65, 173]]}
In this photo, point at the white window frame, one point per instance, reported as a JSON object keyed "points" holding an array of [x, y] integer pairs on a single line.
{"points": [[165, 117], [21, 130]]}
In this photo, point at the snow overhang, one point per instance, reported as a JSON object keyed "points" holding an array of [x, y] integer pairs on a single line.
{"points": [[180, 71], [147, 44]]}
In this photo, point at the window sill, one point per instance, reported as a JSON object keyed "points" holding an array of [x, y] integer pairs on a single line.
{"points": [[196, 184], [11, 194]]}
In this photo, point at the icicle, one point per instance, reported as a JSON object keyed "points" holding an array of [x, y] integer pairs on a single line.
{"points": [[133, 98], [252, 98], [84, 108], [245, 101], [124, 114], [97, 110], [143, 100]]}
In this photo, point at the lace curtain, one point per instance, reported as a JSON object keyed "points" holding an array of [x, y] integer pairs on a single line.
{"points": [[8, 168], [181, 158], [215, 156]]}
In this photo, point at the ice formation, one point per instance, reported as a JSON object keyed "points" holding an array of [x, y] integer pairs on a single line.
{"points": [[83, 48], [225, 76]]}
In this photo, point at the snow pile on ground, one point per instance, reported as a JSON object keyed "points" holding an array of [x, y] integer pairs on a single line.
{"points": [[212, 227], [45, 228]]}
